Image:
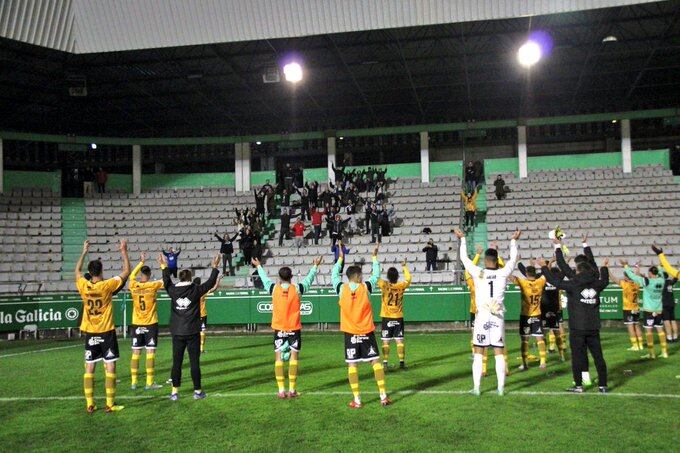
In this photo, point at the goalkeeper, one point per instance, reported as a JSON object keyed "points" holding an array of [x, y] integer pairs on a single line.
{"points": [[286, 321]]}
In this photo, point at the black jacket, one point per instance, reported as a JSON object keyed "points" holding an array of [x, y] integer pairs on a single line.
{"points": [[431, 253], [227, 246], [185, 303], [583, 296], [668, 300]]}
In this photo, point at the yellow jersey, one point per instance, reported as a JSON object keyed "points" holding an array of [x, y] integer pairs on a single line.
{"points": [[531, 295], [97, 304], [631, 290], [204, 311], [393, 296]]}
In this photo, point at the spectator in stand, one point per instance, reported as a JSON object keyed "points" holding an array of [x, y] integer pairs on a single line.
{"points": [[246, 244], [313, 192], [339, 173], [267, 186], [171, 257], [337, 226], [470, 206], [368, 208], [102, 177], [88, 184], [299, 233], [499, 184], [285, 199], [376, 234], [227, 250], [257, 248], [335, 248], [317, 219], [384, 223], [304, 203], [284, 230], [470, 177], [270, 201], [259, 202], [431, 252]]}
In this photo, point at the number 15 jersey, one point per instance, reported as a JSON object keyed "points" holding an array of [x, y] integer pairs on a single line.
{"points": [[490, 284], [97, 304]]}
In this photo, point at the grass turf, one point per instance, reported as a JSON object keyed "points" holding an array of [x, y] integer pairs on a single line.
{"points": [[429, 412]]}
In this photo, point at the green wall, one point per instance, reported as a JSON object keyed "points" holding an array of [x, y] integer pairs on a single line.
{"points": [[24, 179], [446, 168], [187, 180], [315, 174], [258, 178], [653, 157], [501, 166], [121, 182]]}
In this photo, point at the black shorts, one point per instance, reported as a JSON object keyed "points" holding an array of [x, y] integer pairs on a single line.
{"points": [[530, 325], [204, 323], [472, 320], [392, 328], [631, 317], [652, 321], [294, 339], [101, 346], [668, 313], [550, 320], [145, 336], [360, 348]]}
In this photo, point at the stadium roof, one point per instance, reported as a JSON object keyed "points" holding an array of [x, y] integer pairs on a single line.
{"points": [[378, 76]]}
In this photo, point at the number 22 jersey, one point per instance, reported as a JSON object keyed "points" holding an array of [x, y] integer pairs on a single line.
{"points": [[97, 304]]}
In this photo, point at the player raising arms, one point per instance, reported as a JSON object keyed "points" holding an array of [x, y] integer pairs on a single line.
{"points": [[392, 312], [286, 321], [356, 321], [490, 283], [670, 270], [530, 324], [652, 292], [97, 323], [631, 310], [144, 322]]}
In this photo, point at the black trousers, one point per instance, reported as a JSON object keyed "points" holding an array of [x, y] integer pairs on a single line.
{"points": [[226, 258], [376, 233], [173, 271], [469, 218], [192, 344], [317, 234], [431, 265], [580, 342]]}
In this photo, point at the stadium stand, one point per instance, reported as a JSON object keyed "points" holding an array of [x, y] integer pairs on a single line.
{"points": [[440, 214], [621, 213], [30, 224]]}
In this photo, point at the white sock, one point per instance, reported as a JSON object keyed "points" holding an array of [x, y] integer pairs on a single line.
{"points": [[500, 371], [357, 400], [477, 370]]}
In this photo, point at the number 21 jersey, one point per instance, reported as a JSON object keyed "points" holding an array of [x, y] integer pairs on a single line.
{"points": [[97, 304]]}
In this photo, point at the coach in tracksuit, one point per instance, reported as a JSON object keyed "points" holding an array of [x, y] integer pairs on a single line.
{"points": [[583, 305], [185, 322]]}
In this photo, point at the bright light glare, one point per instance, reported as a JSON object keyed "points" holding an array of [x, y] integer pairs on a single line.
{"points": [[529, 54], [93, 145], [258, 143], [293, 72]]}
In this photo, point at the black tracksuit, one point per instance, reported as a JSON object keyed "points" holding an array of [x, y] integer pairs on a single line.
{"points": [[583, 306], [185, 324], [227, 250]]}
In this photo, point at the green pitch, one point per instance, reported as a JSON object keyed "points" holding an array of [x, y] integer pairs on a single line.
{"points": [[42, 408]]}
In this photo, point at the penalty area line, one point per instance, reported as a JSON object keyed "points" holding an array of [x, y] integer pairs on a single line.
{"points": [[10, 399]]}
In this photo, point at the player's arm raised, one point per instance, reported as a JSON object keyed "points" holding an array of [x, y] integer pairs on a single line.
{"points": [[125, 273], [81, 260], [375, 269], [309, 279]]}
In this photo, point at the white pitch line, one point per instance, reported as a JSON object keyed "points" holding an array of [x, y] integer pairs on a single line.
{"points": [[340, 393], [35, 351]]}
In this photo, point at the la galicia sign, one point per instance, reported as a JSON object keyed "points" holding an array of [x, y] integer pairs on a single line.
{"points": [[306, 308], [16, 316]]}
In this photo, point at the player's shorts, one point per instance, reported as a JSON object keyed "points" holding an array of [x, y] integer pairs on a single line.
{"points": [[294, 338], [631, 317], [489, 330], [651, 321], [550, 320], [392, 328], [560, 317], [204, 323], [145, 337], [101, 346], [472, 320], [668, 313], [530, 325], [360, 348]]}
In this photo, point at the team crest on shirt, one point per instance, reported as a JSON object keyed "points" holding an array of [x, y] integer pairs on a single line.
{"points": [[589, 296], [183, 303]]}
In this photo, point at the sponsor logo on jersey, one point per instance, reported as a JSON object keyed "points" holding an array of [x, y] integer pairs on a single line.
{"points": [[183, 303], [392, 323], [94, 341], [589, 296]]}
